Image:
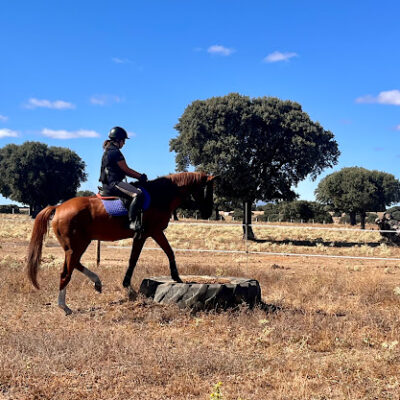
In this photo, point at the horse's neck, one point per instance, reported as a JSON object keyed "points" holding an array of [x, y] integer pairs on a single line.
{"points": [[186, 181], [183, 192]]}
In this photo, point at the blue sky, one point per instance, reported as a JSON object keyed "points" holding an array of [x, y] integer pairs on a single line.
{"points": [[70, 71]]}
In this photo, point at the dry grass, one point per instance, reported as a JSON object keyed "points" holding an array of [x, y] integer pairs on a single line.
{"points": [[335, 336]]}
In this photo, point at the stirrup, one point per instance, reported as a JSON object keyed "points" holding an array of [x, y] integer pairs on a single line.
{"points": [[136, 226]]}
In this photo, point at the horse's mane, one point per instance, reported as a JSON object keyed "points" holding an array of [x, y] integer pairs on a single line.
{"points": [[187, 178], [165, 188]]}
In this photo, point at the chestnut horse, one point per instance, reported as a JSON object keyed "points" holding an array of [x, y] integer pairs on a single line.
{"points": [[80, 220]]}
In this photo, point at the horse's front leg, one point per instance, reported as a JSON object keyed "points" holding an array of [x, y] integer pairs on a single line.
{"points": [[137, 247], [162, 241]]}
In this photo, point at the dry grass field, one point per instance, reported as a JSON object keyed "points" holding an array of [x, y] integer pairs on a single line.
{"points": [[335, 334]]}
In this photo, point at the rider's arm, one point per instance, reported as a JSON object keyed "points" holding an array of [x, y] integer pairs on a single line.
{"points": [[130, 172]]}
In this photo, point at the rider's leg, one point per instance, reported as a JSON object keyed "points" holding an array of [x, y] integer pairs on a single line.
{"points": [[135, 208], [135, 213]]}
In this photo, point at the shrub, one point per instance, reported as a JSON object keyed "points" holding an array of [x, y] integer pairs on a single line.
{"points": [[395, 211], [9, 209]]}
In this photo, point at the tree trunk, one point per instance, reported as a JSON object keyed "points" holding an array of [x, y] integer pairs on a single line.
{"points": [[248, 233], [363, 215], [33, 211], [352, 218], [217, 213]]}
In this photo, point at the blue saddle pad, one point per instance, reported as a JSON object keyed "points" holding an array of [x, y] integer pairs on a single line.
{"points": [[146, 198], [116, 207]]}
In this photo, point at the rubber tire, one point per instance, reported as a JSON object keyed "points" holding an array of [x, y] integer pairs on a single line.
{"points": [[202, 296]]}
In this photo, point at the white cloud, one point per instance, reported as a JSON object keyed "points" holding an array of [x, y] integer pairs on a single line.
{"points": [[220, 50], [277, 56], [64, 134], [56, 105], [3, 118], [118, 60], [8, 133], [105, 99], [387, 97]]}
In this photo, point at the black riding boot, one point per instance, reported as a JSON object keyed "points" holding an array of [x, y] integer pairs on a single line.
{"points": [[135, 214]]}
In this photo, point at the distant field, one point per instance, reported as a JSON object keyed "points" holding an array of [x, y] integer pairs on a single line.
{"points": [[335, 336]]}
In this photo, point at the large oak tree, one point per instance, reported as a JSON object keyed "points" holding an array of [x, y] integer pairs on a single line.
{"points": [[357, 190], [38, 175], [259, 147]]}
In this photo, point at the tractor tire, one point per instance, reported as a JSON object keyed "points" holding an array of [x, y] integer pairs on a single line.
{"points": [[203, 292]]}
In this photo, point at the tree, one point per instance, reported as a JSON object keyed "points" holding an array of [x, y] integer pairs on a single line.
{"points": [[9, 209], [356, 190], [297, 210], [85, 193], [38, 175], [259, 147]]}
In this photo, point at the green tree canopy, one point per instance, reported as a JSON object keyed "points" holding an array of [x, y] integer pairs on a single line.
{"points": [[38, 175], [85, 193], [259, 147], [356, 190]]}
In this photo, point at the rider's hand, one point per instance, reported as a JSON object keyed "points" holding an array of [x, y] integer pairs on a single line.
{"points": [[143, 178]]}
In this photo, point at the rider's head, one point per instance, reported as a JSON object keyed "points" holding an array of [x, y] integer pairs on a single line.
{"points": [[118, 134]]}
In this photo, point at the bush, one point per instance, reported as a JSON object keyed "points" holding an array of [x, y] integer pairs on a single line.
{"points": [[395, 211], [9, 209], [238, 213], [371, 217], [270, 217], [214, 216], [297, 211], [345, 219]]}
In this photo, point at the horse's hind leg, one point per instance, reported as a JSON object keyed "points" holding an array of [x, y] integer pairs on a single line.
{"points": [[64, 280], [91, 275], [73, 254]]}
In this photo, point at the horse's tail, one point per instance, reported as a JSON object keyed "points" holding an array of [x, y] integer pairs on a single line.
{"points": [[35, 245]]}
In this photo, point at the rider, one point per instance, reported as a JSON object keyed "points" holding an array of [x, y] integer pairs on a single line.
{"points": [[114, 169]]}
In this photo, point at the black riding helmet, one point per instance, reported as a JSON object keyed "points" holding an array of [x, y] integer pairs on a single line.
{"points": [[118, 133]]}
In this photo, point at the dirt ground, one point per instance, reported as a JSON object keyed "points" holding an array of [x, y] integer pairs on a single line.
{"points": [[334, 334]]}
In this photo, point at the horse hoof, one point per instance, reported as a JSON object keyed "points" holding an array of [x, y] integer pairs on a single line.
{"points": [[177, 279], [66, 309], [132, 294], [98, 287]]}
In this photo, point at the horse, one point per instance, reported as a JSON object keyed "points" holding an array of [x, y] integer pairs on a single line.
{"points": [[78, 221]]}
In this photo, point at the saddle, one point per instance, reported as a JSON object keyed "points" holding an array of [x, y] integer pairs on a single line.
{"points": [[118, 206]]}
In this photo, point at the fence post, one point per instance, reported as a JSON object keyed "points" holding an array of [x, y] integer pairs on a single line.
{"points": [[98, 253], [246, 232]]}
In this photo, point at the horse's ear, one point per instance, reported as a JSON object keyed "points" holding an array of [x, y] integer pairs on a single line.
{"points": [[211, 178]]}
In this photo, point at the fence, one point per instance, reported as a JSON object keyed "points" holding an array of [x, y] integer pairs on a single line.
{"points": [[270, 253]]}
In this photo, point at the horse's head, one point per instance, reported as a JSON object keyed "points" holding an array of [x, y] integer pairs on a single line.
{"points": [[195, 191], [203, 196]]}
